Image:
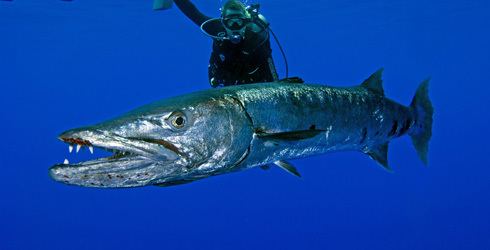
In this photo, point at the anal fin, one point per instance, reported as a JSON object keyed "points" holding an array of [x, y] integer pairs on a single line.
{"points": [[380, 155]]}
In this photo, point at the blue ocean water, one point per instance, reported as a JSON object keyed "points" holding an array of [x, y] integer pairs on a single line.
{"points": [[68, 64]]}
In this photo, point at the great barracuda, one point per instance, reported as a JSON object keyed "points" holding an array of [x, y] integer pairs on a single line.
{"points": [[218, 131]]}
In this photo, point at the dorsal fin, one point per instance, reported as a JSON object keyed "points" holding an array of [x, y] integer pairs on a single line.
{"points": [[380, 155], [374, 82]]}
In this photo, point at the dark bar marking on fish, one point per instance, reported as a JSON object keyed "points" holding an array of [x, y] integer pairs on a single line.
{"points": [[405, 127], [363, 135], [393, 128]]}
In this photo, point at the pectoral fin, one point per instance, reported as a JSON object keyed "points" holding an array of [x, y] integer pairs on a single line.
{"points": [[288, 167], [290, 136], [380, 155]]}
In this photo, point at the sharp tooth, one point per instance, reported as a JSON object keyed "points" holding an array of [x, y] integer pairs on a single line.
{"points": [[70, 148], [91, 149], [66, 162], [78, 147]]}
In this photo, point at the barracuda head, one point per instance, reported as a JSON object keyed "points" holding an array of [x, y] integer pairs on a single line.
{"points": [[170, 142]]}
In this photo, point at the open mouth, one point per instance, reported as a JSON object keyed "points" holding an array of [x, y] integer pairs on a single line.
{"points": [[125, 162], [122, 148], [75, 145]]}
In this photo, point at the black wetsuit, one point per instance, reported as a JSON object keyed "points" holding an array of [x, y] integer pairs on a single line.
{"points": [[249, 61]]}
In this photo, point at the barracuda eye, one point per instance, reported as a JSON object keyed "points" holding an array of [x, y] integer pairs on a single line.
{"points": [[177, 120]]}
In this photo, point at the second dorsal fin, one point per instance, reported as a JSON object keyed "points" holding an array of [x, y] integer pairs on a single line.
{"points": [[374, 82]]}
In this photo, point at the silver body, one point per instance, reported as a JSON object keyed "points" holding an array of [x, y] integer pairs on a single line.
{"points": [[232, 129], [349, 118]]}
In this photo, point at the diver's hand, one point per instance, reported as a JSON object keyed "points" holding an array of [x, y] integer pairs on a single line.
{"points": [[162, 4]]}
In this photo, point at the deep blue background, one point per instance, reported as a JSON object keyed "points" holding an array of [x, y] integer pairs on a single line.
{"points": [[67, 64]]}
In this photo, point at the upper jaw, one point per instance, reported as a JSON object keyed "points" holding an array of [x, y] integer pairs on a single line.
{"points": [[112, 142]]}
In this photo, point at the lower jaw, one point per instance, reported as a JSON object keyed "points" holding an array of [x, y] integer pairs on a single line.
{"points": [[98, 167]]}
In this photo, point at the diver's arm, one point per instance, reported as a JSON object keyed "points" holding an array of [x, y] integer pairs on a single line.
{"points": [[191, 11]]}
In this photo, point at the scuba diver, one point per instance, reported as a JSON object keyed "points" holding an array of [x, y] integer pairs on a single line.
{"points": [[241, 44]]}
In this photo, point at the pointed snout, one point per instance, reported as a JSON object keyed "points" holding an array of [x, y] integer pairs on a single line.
{"points": [[80, 136]]}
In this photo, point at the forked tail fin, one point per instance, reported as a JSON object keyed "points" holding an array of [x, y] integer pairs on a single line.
{"points": [[421, 133]]}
